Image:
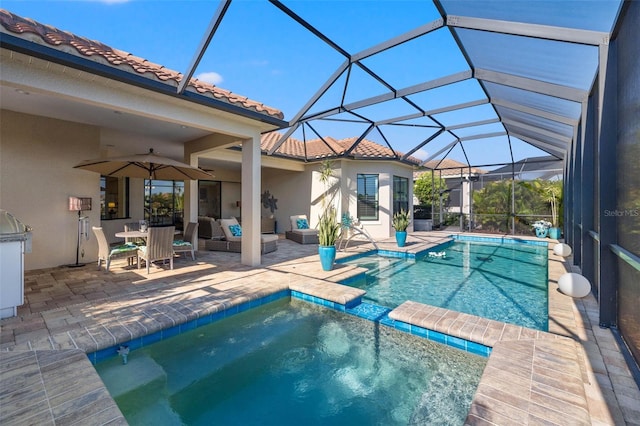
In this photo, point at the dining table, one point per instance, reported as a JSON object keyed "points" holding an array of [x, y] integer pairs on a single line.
{"points": [[137, 234], [131, 234]]}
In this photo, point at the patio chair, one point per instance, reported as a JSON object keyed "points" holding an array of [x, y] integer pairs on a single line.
{"points": [[107, 253], [159, 246], [133, 226], [300, 231], [188, 241]]}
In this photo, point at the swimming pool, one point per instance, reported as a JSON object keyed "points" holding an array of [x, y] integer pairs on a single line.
{"points": [[292, 362], [501, 281]]}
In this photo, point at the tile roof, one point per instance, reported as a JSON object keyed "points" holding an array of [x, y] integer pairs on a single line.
{"points": [[67, 42], [317, 149], [449, 167]]}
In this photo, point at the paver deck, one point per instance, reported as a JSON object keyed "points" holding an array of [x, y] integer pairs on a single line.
{"points": [[45, 378]]}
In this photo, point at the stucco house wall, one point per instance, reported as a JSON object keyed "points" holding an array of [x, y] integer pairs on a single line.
{"points": [[302, 192], [38, 178]]}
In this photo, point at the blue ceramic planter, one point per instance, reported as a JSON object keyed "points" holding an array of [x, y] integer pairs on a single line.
{"points": [[542, 232], [401, 238], [554, 233], [327, 257]]}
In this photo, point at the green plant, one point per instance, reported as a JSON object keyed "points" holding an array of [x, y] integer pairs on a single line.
{"points": [[326, 173], [552, 190], [427, 189], [400, 220], [328, 227]]}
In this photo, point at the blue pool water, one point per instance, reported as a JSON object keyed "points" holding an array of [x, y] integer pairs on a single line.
{"points": [[290, 362], [504, 282]]}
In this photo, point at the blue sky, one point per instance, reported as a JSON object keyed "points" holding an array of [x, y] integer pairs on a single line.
{"points": [[261, 53]]}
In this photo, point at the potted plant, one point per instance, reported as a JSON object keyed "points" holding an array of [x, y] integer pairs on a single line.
{"points": [[328, 230], [400, 223], [541, 227], [553, 191]]}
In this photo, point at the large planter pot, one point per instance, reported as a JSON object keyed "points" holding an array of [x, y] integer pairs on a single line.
{"points": [[327, 257], [401, 238], [554, 233], [542, 232]]}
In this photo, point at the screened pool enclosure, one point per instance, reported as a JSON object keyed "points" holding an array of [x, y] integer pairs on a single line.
{"points": [[483, 83], [522, 90]]}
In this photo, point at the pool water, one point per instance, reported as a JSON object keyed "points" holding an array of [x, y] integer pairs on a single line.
{"points": [[504, 282], [290, 362]]}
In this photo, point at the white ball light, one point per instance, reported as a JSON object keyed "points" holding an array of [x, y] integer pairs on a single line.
{"points": [[574, 285], [562, 249]]}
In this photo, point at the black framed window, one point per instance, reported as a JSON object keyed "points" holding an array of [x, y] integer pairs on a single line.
{"points": [[114, 197], [164, 202], [400, 194], [367, 197], [210, 198]]}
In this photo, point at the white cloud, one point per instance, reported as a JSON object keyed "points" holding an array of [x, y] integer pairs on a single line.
{"points": [[421, 154], [210, 77]]}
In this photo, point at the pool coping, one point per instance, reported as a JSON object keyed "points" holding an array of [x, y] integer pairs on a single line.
{"points": [[16, 363]]}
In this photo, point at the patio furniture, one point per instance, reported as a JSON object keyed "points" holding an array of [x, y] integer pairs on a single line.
{"points": [[299, 233], [106, 253], [209, 228], [233, 243], [267, 225], [188, 242], [159, 246], [133, 226]]}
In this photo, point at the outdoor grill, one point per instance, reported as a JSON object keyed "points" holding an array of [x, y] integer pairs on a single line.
{"points": [[15, 241]]}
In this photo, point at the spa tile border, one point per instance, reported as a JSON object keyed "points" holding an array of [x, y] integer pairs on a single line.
{"points": [[532, 377]]}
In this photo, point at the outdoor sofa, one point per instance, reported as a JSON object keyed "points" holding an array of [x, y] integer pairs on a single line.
{"points": [[301, 235], [233, 243]]}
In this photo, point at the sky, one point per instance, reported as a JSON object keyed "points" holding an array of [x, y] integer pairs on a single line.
{"points": [[261, 53]]}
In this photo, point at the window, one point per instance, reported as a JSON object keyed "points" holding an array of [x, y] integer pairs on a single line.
{"points": [[367, 197], [400, 194], [114, 197], [209, 198], [164, 202]]}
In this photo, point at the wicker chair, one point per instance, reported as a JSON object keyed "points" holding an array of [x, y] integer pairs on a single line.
{"points": [[301, 236], [159, 246], [133, 226], [106, 253], [188, 242]]}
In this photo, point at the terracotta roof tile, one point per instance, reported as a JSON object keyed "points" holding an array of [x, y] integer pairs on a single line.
{"points": [[317, 149], [31, 30], [449, 167]]}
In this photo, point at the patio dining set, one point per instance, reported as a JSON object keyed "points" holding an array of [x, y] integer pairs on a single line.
{"points": [[146, 244]]}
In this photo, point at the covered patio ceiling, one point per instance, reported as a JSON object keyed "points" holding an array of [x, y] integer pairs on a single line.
{"points": [[477, 79]]}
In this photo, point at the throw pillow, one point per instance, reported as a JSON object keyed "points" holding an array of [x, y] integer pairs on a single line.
{"points": [[236, 230], [302, 224]]}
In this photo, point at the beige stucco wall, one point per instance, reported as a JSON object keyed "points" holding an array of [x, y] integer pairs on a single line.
{"points": [[292, 190], [385, 170], [301, 192], [37, 156]]}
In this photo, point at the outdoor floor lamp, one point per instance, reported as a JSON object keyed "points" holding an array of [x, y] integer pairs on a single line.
{"points": [[80, 204]]}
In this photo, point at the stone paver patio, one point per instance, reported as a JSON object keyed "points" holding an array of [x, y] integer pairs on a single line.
{"points": [[575, 373]]}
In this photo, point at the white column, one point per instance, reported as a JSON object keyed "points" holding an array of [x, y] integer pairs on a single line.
{"points": [[191, 197], [251, 184]]}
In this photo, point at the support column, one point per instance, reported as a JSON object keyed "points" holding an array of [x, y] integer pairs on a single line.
{"points": [[588, 200], [250, 199], [577, 204], [190, 213], [568, 197], [607, 138]]}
